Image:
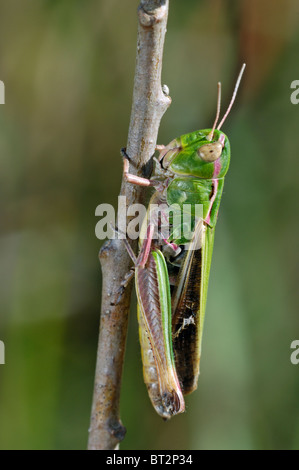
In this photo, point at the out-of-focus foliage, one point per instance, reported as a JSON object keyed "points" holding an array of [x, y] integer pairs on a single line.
{"points": [[68, 68]]}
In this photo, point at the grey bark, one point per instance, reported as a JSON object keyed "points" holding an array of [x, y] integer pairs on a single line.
{"points": [[149, 105]]}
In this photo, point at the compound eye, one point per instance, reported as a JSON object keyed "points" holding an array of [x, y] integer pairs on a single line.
{"points": [[210, 152]]}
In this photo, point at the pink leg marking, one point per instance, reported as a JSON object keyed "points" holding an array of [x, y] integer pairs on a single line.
{"points": [[146, 247], [133, 178], [215, 187], [174, 246]]}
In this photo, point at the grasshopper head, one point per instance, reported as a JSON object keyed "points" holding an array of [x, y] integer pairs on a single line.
{"points": [[200, 155]]}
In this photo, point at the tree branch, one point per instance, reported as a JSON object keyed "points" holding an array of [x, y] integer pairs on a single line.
{"points": [[149, 105]]}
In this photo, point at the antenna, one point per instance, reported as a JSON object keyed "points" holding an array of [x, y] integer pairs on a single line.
{"points": [[233, 97], [210, 136]]}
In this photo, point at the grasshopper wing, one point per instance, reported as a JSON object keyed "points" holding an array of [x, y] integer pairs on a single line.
{"points": [[154, 316], [189, 303]]}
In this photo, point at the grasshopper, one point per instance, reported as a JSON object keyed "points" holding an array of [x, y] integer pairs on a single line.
{"points": [[172, 273]]}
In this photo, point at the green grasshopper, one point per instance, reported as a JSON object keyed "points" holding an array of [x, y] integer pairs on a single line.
{"points": [[172, 273]]}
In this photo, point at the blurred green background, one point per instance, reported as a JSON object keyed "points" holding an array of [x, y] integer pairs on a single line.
{"points": [[68, 69]]}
